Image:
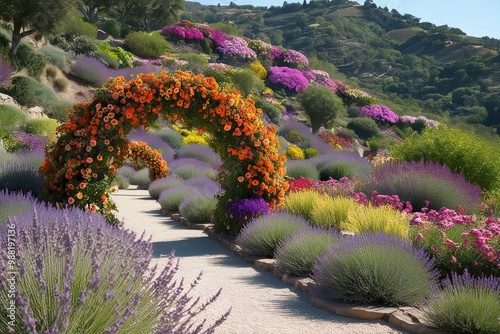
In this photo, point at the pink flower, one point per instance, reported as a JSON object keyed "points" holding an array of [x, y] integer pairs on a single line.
{"points": [[453, 259]]}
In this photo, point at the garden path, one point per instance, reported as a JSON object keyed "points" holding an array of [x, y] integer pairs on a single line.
{"points": [[261, 303]]}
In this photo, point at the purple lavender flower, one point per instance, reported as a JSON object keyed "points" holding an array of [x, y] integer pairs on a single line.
{"points": [[29, 141], [247, 208], [154, 141], [425, 182], [63, 259], [235, 47], [379, 113], [290, 78], [200, 152]]}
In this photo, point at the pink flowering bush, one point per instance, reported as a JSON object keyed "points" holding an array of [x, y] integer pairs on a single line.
{"points": [[321, 78], [289, 58], [412, 119], [289, 78], [182, 32], [380, 113], [459, 242], [232, 47]]}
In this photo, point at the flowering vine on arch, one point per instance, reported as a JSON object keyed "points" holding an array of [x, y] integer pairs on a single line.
{"points": [[92, 144], [143, 156]]}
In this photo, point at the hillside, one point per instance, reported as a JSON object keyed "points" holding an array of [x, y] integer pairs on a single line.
{"points": [[416, 66]]}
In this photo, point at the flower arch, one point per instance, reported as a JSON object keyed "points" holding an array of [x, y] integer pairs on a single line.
{"points": [[92, 144], [143, 156]]}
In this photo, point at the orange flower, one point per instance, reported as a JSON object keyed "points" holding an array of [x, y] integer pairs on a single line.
{"points": [[227, 127], [93, 143], [79, 195], [89, 160], [82, 185], [241, 178], [71, 200]]}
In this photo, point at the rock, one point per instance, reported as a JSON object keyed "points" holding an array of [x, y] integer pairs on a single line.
{"points": [[102, 35], [9, 100], [36, 112]]}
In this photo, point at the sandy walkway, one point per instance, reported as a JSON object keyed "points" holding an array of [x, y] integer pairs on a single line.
{"points": [[261, 303]]}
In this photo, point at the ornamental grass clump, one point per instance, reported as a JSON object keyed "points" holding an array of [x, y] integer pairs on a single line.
{"points": [[302, 202], [198, 208], [157, 186], [262, 235], [375, 269], [297, 253], [371, 218], [333, 211], [171, 198], [466, 305], [76, 273], [425, 182]]}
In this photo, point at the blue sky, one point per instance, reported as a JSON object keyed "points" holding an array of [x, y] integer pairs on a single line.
{"points": [[476, 18]]}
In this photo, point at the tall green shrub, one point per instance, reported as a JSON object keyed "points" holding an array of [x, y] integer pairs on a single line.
{"points": [[28, 58], [147, 45], [29, 92]]}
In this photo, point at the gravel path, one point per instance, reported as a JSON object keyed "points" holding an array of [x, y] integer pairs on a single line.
{"points": [[261, 303]]}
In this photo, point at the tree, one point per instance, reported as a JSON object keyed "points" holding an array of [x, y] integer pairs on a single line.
{"points": [[28, 18], [91, 8], [149, 15], [321, 104]]}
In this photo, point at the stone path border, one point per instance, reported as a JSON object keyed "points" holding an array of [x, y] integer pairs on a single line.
{"points": [[406, 318]]}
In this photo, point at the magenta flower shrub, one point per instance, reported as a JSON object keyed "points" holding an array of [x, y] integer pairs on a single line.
{"points": [[379, 113], [289, 78], [425, 182], [234, 47], [183, 30], [288, 58], [75, 273], [459, 242], [5, 71], [321, 77], [412, 119]]}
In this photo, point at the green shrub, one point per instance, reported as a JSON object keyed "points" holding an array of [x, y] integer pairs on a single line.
{"points": [[311, 152], [108, 60], [11, 118], [345, 168], [296, 254], [198, 208], [468, 305], [112, 27], [375, 269], [78, 27], [124, 58], [45, 127], [126, 171], [27, 91], [332, 211], [197, 62], [295, 153], [261, 236], [364, 127], [121, 182], [83, 45], [296, 169], [383, 219], [270, 109], [28, 58], [302, 202], [462, 152], [147, 45], [247, 82], [56, 56]]}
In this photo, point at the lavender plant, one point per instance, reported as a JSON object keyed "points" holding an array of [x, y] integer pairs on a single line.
{"points": [[5, 71], [466, 305], [75, 273], [172, 137], [296, 169], [297, 253], [157, 186], [141, 179], [245, 209], [14, 203], [171, 198], [198, 208], [199, 152], [375, 269], [155, 141], [21, 177], [425, 182], [262, 235]]}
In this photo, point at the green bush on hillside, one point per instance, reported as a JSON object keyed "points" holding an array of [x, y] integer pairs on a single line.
{"points": [[28, 58], [147, 45], [29, 92], [364, 127]]}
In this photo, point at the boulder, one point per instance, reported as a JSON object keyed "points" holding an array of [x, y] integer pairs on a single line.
{"points": [[9, 100]]}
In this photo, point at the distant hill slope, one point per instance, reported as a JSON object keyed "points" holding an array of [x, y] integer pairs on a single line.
{"points": [[409, 62]]}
